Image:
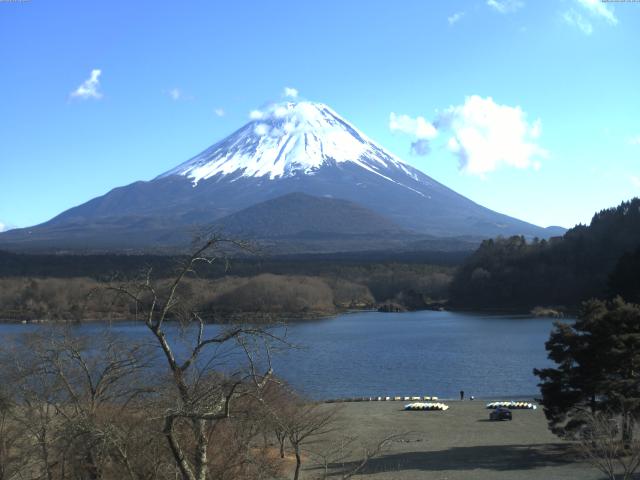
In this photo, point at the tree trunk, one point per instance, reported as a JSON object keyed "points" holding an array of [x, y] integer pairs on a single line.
{"points": [[92, 468], [201, 449], [296, 475], [44, 448], [176, 450], [627, 430]]}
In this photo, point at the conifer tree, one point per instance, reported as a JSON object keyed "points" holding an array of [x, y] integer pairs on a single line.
{"points": [[597, 367]]}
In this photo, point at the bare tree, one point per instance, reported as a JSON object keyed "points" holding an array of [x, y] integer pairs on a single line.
{"points": [[349, 456], [29, 414], [304, 422], [189, 402], [308, 427], [12, 441], [605, 444], [75, 395], [201, 396]]}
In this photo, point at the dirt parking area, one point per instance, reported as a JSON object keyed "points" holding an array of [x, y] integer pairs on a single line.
{"points": [[459, 444]]}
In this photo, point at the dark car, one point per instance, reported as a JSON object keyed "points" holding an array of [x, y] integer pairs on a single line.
{"points": [[500, 413]]}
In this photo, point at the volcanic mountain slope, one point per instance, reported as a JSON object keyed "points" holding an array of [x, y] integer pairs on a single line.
{"points": [[298, 223], [300, 215], [286, 148]]}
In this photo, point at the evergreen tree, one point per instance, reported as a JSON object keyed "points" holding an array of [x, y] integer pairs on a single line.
{"points": [[513, 273], [598, 367], [625, 278]]}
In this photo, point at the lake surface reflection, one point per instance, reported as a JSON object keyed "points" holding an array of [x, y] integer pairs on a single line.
{"points": [[417, 353]]}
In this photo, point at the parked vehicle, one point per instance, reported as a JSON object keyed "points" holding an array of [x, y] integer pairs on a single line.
{"points": [[500, 413]]}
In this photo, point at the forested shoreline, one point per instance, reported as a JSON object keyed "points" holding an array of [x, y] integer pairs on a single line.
{"points": [[263, 298], [595, 261], [504, 275]]}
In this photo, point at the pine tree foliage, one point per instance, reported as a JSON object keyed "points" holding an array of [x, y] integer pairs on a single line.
{"points": [[597, 366]]}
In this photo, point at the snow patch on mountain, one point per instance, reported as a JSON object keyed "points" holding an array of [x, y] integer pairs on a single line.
{"points": [[286, 139]]}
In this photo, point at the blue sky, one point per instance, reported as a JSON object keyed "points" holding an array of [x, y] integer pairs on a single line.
{"points": [[527, 107]]}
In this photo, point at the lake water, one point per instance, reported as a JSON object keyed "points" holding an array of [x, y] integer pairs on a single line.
{"points": [[417, 353]]}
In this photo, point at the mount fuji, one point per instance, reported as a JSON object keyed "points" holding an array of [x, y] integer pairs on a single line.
{"points": [[296, 170]]}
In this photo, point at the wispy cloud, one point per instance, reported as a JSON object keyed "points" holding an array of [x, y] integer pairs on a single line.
{"points": [[455, 18], [277, 119], [5, 227], [419, 128], [598, 8], [89, 88], [635, 140], [587, 10], [290, 92], [482, 134], [575, 19], [219, 112], [505, 6], [635, 181], [176, 94], [261, 129]]}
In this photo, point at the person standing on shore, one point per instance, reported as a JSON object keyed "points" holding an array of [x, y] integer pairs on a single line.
{"points": [[461, 394]]}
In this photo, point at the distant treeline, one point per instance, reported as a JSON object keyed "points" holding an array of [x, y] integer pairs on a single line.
{"points": [[109, 266], [77, 299], [600, 260], [255, 298]]}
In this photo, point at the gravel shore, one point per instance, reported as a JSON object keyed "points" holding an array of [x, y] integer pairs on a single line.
{"points": [[459, 444]]}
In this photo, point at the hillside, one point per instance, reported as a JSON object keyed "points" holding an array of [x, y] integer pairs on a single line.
{"points": [[298, 214], [586, 262]]}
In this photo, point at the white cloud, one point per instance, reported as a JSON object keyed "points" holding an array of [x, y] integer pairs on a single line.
{"points": [[418, 127], [573, 18], [5, 227], [598, 8], [486, 136], [290, 92], [536, 129], [279, 111], [455, 18], [176, 94], [219, 112], [635, 140], [453, 145], [277, 119], [482, 134], [89, 88], [635, 181], [261, 129], [505, 6]]}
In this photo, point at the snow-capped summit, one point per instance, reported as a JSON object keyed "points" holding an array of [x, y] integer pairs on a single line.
{"points": [[285, 139], [296, 170]]}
